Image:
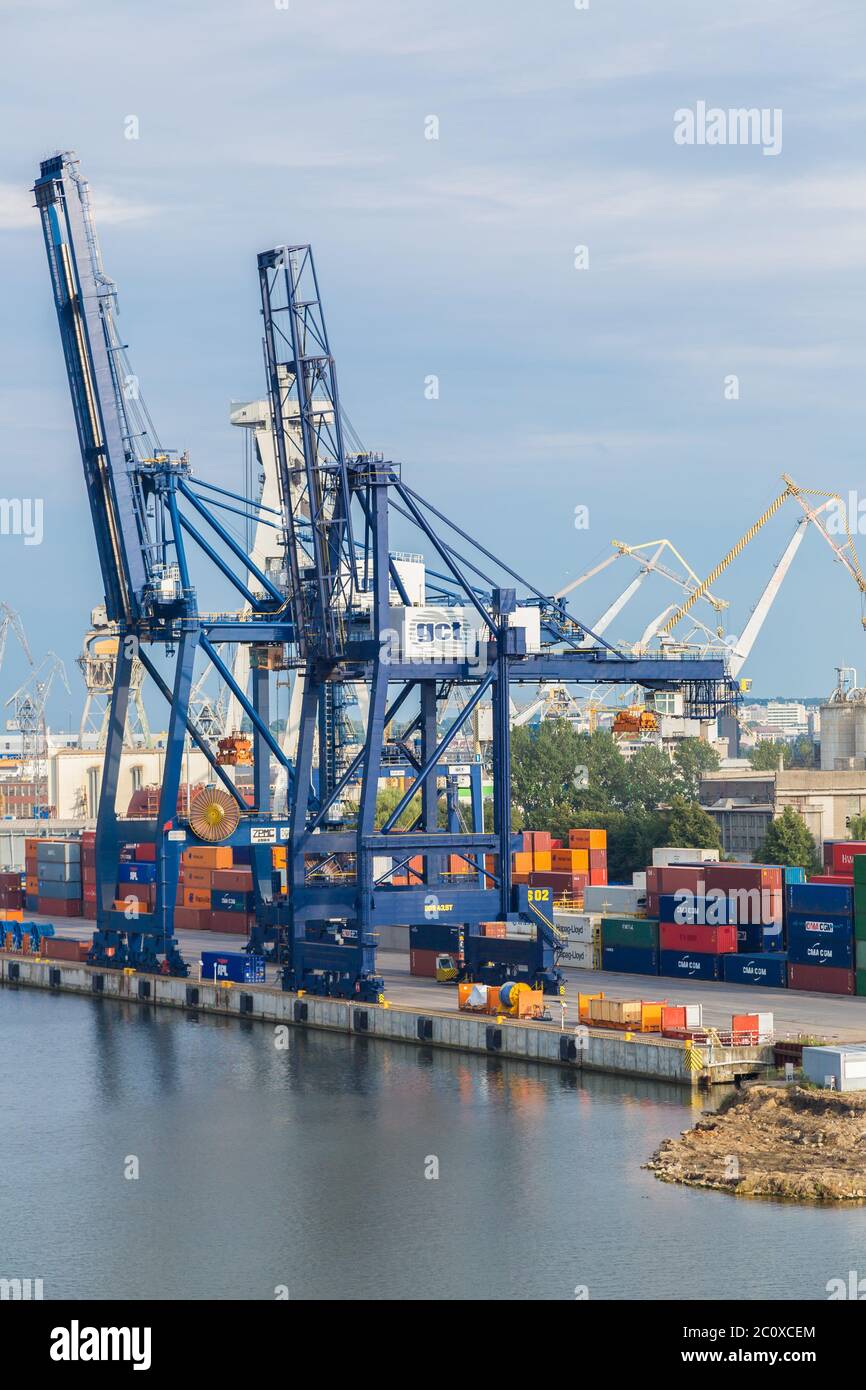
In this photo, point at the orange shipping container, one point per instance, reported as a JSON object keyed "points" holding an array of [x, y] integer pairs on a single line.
{"points": [[574, 861], [522, 862], [278, 857], [209, 856], [198, 878], [587, 839], [541, 860], [196, 897]]}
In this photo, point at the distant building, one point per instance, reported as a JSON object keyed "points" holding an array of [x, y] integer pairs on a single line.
{"points": [[744, 802], [777, 719]]}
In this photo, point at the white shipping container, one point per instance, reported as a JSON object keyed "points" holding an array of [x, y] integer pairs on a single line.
{"points": [[694, 1015], [613, 899], [578, 926], [581, 955], [638, 880], [682, 854]]}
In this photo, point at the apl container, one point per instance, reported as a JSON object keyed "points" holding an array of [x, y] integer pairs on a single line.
{"points": [[237, 966], [768, 970], [630, 960], [814, 940], [136, 872], [690, 965]]}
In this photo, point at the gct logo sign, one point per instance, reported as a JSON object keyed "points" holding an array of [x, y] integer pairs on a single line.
{"points": [[438, 632]]}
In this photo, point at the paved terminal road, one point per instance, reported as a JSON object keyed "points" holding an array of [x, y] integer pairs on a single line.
{"points": [[795, 1013]]}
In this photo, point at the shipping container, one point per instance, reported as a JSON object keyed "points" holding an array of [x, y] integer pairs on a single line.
{"points": [[714, 941], [838, 1068], [146, 854], [614, 898], [820, 979], [581, 955], [61, 872], [690, 965], [820, 940], [630, 931], [235, 880], [59, 907], [209, 856], [768, 970], [423, 963], [231, 923], [689, 910], [844, 853], [432, 936], [190, 919], [630, 960], [63, 948], [832, 899], [237, 966], [58, 852], [67, 891], [226, 900], [579, 926], [665, 855], [587, 839], [136, 872]]}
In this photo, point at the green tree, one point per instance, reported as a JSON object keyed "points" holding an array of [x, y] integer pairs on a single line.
{"points": [[651, 779], [857, 827], [692, 757], [803, 752], [764, 757], [687, 823], [788, 841], [544, 760]]}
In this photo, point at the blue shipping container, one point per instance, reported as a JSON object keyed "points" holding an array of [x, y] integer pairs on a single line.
{"points": [[690, 965], [705, 912], [769, 970], [631, 960], [792, 874], [828, 899], [49, 872], [65, 892], [820, 940], [58, 852], [237, 966], [136, 872], [433, 936]]}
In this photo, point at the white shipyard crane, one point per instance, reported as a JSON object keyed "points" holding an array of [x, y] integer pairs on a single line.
{"points": [[10, 622]]}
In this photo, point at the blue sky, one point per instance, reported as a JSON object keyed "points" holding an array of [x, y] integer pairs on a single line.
{"points": [[604, 387]]}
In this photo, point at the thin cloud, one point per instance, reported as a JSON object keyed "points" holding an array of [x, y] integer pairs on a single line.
{"points": [[17, 210]]}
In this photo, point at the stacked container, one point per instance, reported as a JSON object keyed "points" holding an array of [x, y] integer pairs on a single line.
{"points": [[11, 897], [31, 874], [859, 896], [88, 875], [426, 942], [820, 925], [58, 872], [583, 945], [630, 945]]}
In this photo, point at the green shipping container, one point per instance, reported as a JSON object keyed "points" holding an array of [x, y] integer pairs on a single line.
{"points": [[860, 982], [642, 932], [859, 862], [860, 910], [860, 956]]}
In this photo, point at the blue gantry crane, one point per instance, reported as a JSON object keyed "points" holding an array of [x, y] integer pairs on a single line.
{"points": [[346, 612]]}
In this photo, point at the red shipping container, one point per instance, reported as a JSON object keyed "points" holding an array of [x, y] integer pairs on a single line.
{"points": [[232, 923], [598, 877], [232, 880], [141, 892], [673, 1016], [560, 882], [189, 919], [64, 948], [728, 876], [423, 963], [846, 880], [714, 941], [59, 907], [494, 929], [88, 892], [145, 854], [88, 911], [821, 979], [843, 853], [670, 877]]}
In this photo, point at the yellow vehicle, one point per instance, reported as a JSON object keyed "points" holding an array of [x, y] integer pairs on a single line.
{"points": [[447, 970]]}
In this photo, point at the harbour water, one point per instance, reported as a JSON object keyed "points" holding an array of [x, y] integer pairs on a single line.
{"points": [[302, 1171]]}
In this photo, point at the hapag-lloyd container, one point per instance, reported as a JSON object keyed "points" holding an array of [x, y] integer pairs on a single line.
{"points": [[820, 979], [714, 941]]}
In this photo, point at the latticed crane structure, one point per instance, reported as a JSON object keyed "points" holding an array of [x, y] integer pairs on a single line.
{"points": [[343, 609]]}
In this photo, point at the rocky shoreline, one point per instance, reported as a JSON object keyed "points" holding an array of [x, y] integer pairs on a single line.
{"points": [[792, 1143]]}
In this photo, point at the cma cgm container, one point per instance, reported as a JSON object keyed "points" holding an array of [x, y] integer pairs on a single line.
{"points": [[834, 899], [630, 960], [714, 941], [762, 969], [690, 965], [689, 910], [237, 966], [820, 979], [814, 940]]}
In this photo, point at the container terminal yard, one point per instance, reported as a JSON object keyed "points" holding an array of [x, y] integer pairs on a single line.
{"points": [[279, 857], [294, 822]]}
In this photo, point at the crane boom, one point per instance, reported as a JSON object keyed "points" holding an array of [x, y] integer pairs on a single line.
{"points": [[84, 298]]}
